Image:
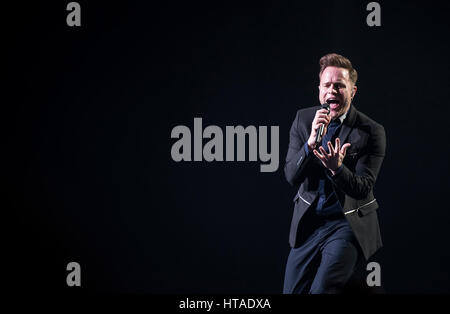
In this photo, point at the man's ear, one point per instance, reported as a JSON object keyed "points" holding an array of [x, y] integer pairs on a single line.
{"points": [[354, 89]]}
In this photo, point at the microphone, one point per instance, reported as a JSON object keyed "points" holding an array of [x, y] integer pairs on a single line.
{"points": [[322, 127]]}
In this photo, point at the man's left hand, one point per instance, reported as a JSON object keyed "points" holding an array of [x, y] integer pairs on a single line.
{"points": [[332, 160]]}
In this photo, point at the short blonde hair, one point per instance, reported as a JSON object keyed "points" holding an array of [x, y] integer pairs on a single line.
{"points": [[335, 60]]}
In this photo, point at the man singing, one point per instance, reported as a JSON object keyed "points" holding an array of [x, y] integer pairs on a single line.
{"points": [[334, 156]]}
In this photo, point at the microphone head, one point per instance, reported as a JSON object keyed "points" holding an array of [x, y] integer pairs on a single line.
{"points": [[326, 106]]}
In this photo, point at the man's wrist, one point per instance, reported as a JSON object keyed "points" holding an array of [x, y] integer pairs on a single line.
{"points": [[337, 170], [311, 147]]}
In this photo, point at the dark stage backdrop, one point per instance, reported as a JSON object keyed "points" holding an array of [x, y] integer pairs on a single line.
{"points": [[89, 113]]}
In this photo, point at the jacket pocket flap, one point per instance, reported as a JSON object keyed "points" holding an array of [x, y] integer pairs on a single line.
{"points": [[351, 155], [368, 208], [363, 209], [306, 198]]}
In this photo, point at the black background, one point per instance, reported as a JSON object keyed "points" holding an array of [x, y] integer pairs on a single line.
{"points": [[89, 111]]}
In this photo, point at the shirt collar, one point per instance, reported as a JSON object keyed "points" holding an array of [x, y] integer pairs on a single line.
{"points": [[343, 116]]}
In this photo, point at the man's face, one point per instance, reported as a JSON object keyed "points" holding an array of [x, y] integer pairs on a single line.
{"points": [[337, 90]]}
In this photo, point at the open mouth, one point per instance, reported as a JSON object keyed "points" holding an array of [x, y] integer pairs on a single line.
{"points": [[334, 103]]}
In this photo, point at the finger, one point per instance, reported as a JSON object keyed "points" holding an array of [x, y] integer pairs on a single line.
{"points": [[344, 148], [324, 152], [323, 116], [318, 155], [338, 145], [322, 120], [317, 126], [330, 148]]}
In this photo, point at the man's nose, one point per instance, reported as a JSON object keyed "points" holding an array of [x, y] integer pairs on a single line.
{"points": [[333, 89]]}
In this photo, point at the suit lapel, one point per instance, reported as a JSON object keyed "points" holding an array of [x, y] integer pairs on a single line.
{"points": [[348, 124]]}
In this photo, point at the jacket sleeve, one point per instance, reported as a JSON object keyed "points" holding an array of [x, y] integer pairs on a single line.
{"points": [[297, 158], [358, 184]]}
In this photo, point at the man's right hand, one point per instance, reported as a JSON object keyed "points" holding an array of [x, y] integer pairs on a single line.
{"points": [[322, 117]]}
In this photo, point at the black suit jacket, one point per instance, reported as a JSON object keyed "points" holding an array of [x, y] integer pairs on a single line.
{"points": [[353, 185]]}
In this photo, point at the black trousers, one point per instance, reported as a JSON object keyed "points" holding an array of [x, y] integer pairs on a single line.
{"points": [[325, 261]]}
